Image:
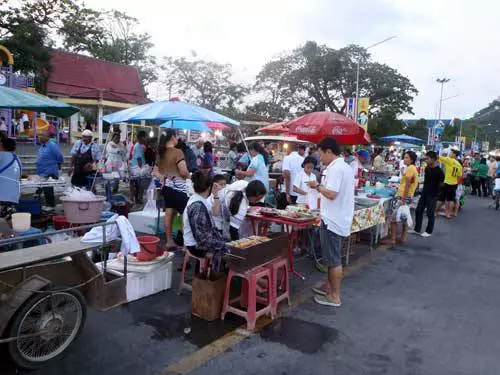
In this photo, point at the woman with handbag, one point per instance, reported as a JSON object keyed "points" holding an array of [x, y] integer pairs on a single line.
{"points": [[84, 154]]}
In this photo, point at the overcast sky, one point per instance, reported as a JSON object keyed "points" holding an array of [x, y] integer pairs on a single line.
{"points": [[456, 39]]}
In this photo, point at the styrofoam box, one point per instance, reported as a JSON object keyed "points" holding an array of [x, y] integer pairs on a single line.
{"points": [[141, 285], [146, 221]]}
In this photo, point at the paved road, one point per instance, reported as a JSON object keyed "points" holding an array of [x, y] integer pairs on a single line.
{"points": [[430, 307]]}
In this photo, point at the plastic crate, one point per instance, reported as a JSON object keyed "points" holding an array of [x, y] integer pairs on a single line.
{"points": [[31, 206], [140, 284]]}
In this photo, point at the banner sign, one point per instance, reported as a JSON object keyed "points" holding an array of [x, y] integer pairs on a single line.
{"points": [[363, 111]]}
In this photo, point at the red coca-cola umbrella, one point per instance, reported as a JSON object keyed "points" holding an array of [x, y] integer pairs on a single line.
{"points": [[315, 126], [279, 128]]}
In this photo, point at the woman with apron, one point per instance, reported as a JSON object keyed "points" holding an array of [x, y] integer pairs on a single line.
{"points": [[84, 153]]}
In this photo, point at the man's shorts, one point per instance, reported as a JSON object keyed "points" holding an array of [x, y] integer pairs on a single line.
{"points": [[448, 193], [331, 246]]}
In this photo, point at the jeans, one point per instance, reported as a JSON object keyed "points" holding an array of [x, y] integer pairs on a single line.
{"points": [[483, 182], [426, 202]]}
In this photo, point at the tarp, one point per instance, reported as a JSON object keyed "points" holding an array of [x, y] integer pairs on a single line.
{"points": [[19, 99]]}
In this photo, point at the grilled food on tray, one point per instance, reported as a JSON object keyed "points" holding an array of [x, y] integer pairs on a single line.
{"points": [[247, 242]]}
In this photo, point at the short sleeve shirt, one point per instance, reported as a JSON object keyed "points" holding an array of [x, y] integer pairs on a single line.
{"points": [[137, 153], [337, 214], [293, 164], [409, 177], [261, 172]]}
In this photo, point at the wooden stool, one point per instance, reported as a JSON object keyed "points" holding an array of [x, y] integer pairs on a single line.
{"points": [[204, 264], [251, 298]]}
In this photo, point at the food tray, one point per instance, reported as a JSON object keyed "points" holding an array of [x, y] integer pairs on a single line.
{"points": [[259, 254]]}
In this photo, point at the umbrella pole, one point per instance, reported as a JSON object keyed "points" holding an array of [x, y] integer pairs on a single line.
{"points": [[243, 140]]}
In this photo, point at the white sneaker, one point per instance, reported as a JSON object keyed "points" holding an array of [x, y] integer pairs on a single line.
{"points": [[411, 231], [425, 234]]}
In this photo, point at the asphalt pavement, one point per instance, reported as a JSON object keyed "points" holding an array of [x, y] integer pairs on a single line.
{"points": [[428, 307]]}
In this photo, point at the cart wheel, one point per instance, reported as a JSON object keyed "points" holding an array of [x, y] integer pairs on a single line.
{"points": [[59, 317]]}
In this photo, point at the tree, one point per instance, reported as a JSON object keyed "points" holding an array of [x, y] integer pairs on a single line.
{"points": [[418, 130], [384, 123], [206, 83], [110, 36], [317, 78]]}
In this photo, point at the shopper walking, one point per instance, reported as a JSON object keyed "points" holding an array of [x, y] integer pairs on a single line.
{"points": [[434, 177]]}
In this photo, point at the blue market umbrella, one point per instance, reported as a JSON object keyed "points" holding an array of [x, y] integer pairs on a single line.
{"points": [[168, 110], [187, 125], [19, 99], [403, 138]]}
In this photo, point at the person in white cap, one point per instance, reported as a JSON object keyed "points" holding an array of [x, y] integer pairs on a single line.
{"points": [[84, 154]]}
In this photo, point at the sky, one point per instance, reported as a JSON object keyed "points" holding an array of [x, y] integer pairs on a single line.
{"points": [[456, 39]]}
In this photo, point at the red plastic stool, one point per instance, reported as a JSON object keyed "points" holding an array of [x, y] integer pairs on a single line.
{"points": [[282, 291], [251, 314], [204, 264]]}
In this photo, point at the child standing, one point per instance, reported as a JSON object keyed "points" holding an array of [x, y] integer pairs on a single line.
{"points": [[300, 185]]}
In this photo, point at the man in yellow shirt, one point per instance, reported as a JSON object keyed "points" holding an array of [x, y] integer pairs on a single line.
{"points": [[452, 173], [406, 191]]}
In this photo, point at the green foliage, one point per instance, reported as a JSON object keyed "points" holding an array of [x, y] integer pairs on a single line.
{"points": [[30, 28], [110, 36], [206, 83], [317, 78], [383, 124], [418, 130]]}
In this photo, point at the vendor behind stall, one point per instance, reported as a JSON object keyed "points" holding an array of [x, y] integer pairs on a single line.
{"points": [[233, 209], [200, 233], [48, 164], [10, 176], [84, 154]]}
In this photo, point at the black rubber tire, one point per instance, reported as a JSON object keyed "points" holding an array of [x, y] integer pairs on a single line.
{"points": [[16, 356]]}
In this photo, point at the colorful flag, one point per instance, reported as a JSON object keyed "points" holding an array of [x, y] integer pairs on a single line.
{"points": [[350, 109]]}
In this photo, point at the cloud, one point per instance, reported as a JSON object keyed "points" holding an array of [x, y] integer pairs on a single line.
{"points": [[436, 38]]}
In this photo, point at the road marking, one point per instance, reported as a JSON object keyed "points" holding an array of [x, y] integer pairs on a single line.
{"points": [[197, 359]]}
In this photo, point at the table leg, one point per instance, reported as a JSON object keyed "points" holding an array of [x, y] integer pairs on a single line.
{"points": [[292, 238]]}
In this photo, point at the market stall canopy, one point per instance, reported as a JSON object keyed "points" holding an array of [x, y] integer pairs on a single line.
{"points": [[315, 126], [403, 138], [19, 99], [168, 110], [279, 128], [187, 125]]}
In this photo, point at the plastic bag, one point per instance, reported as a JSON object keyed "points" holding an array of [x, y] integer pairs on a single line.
{"points": [[403, 215], [150, 194], [77, 194]]}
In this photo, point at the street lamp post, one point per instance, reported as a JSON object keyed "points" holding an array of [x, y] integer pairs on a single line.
{"points": [[357, 74], [442, 81]]}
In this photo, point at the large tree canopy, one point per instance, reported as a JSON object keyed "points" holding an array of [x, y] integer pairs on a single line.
{"points": [[110, 36], [205, 83], [316, 77], [31, 27]]}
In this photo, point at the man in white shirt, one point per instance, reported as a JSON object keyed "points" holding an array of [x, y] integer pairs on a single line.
{"points": [[337, 210], [292, 167]]}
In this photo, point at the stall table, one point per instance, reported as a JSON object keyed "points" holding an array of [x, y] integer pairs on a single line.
{"points": [[42, 184], [291, 226]]}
